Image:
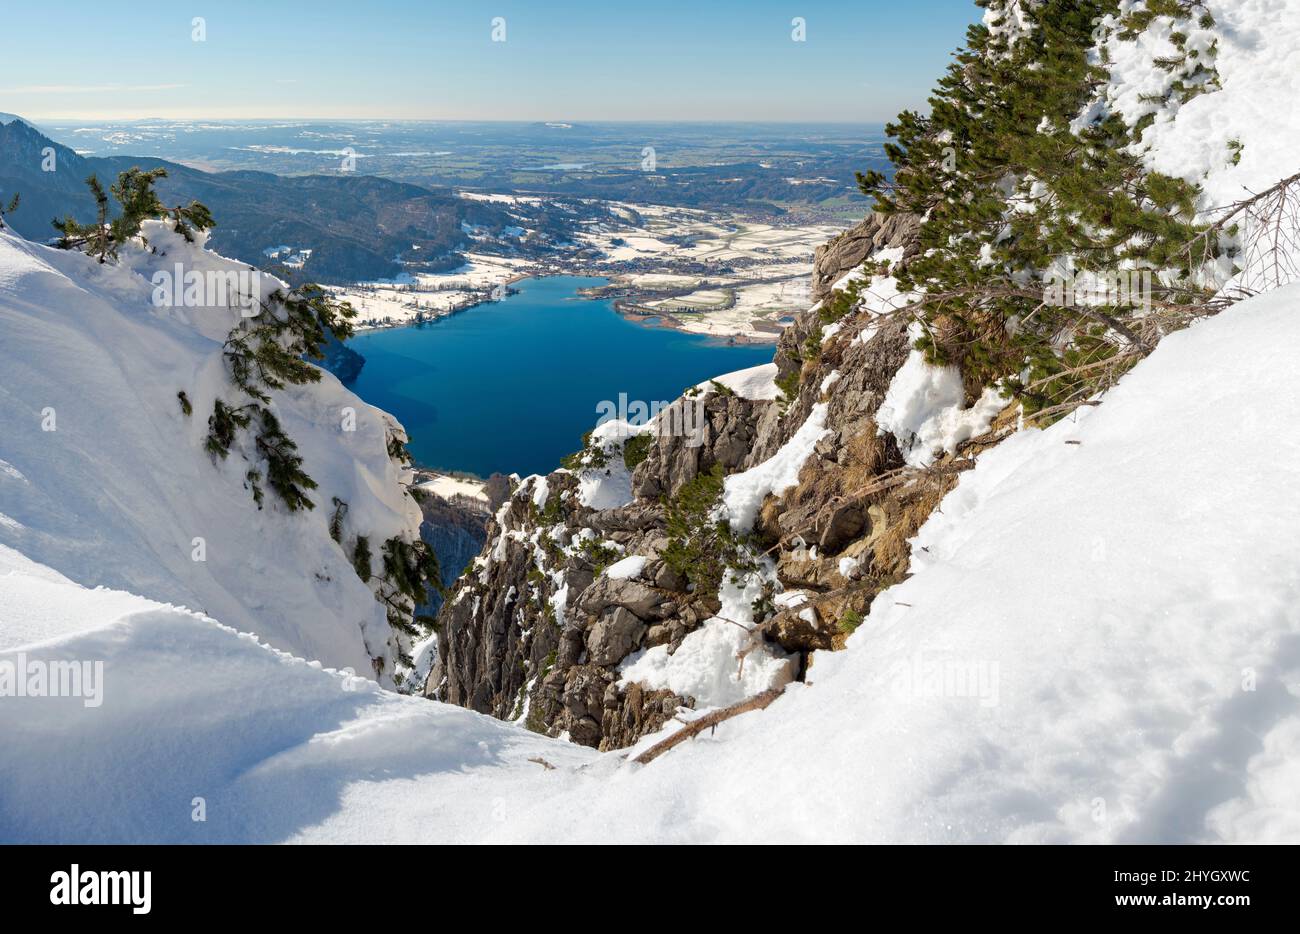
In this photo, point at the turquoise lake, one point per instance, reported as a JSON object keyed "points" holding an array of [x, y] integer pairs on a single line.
{"points": [[512, 386]]}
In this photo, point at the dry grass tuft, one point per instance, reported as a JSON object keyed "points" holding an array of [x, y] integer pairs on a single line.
{"points": [[906, 510]]}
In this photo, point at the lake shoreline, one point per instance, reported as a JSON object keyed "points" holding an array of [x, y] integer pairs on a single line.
{"points": [[629, 311], [513, 388], [449, 312]]}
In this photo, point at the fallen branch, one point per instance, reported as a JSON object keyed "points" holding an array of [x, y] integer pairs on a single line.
{"points": [[695, 727]]}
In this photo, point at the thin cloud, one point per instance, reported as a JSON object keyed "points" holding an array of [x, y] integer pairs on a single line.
{"points": [[87, 88]]}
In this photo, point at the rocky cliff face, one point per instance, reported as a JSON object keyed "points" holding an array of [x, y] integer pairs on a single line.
{"points": [[456, 533], [850, 249], [602, 591], [342, 360]]}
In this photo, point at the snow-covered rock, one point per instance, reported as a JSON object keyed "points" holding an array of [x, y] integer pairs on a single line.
{"points": [[756, 382], [925, 410]]}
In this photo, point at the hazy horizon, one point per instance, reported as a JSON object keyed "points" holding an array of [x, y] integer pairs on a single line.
{"points": [[297, 118], [572, 61]]}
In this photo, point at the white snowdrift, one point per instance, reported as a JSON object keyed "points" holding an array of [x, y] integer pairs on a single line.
{"points": [[743, 493], [924, 409], [610, 485], [119, 491], [1101, 643], [193, 710], [756, 382], [1256, 60], [627, 568]]}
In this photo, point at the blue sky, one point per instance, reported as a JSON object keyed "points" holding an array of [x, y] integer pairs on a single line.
{"points": [[425, 59]]}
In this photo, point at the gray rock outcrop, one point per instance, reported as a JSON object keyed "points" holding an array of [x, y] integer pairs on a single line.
{"points": [[537, 630], [850, 249]]}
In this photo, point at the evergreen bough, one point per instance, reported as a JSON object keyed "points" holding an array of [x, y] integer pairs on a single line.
{"points": [[7, 209], [702, 548], [999, 129], [137, 203]]}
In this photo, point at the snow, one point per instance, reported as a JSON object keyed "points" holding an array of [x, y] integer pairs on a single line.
{"points": [[40, 603], [121, 492], [424, 655], [743, 493], [629, 567], [1097, 645], [609, 486], [719, 664], [399, 301], [756, 382], [1258, 63], [707, 667], [889, 255], [448, 487], [1013, 23], [879, 298], [192, 709], [791, 598], [924, 410], [1128, 587]]}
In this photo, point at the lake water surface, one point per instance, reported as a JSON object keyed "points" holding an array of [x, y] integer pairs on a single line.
{"points": [[512, 386]]}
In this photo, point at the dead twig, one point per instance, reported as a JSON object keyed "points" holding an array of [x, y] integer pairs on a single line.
{"points": [[1066, 407], [1109, 361], [700, 724]]}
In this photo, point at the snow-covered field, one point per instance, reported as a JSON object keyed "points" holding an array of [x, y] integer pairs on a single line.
{"points": [[749, 300], [751, 304], [392, 304], [1099, 643]]}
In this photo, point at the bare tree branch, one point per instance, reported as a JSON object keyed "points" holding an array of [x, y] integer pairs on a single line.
{"points": [[699, 725]]}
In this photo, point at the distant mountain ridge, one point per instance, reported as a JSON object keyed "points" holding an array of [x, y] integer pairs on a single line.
{"points": [[357, 226]]}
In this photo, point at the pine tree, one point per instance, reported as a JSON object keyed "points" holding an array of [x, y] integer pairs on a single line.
{"points": [[410, 573], [336, 519], [94, 237], [265, 353], [284, 473], [137, 202], [191, 217], [361, 558], [1000, 129], [224, 425], [8, 209]]}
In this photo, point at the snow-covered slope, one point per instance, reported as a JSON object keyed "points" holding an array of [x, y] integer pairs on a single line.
{"points": [[1255, 51], [190, 709], [1100, 642], [104, 479], [1238, 139]]}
